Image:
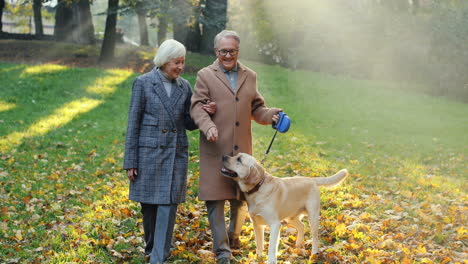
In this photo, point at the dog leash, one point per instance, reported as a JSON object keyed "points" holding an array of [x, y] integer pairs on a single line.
{"points": [[268, 150], [282, 126]]}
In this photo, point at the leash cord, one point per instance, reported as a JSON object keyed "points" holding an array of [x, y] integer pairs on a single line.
{"points": [[268, 150]]}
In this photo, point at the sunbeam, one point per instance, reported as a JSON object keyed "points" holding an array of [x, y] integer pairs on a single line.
{"points": [[5, 106], [107, 85], [60, 117], [102, 86]]}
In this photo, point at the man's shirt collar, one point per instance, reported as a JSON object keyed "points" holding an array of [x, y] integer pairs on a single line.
{"points": [[226, 71]]}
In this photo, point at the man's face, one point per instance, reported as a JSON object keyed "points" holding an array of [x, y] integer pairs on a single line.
{"points": [[227, 52]]}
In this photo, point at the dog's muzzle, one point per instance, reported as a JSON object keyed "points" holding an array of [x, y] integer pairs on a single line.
{"points": [[229, 172]]}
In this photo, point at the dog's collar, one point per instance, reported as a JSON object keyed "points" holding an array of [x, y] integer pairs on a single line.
{"points": [[254, 189]]}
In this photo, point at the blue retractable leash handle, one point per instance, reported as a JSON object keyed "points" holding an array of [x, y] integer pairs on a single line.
{"points": [[282, 126]]}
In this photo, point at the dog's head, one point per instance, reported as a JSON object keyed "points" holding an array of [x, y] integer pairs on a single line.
{"points": [[242, 168]]}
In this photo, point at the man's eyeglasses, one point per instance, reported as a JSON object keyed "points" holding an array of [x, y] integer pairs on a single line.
{"points": [[224, 52]]}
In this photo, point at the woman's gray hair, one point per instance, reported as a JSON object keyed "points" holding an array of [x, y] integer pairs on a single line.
{"points": [[168, 50], [226, 34]]}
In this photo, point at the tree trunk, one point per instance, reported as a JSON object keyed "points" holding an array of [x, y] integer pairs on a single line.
{"points": [[415, 6], [37, 5], [180, 32], [180, 20], [194, 33], [2, 5], [214, 21], [163, 21], [108, 44], [142, 26], [63, 21], [194, 37], [85, 23]]}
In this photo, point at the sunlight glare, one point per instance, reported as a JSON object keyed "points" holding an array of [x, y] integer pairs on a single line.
{"points": [[59, 118], [47, 68], [63, 115], [107, 85], [5, 106]]}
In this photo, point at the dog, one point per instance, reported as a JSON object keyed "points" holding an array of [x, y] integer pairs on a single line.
{"points": [[271, 200]]}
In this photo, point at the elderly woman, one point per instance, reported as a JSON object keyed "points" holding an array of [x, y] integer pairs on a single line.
{"points": [[156, 146]]}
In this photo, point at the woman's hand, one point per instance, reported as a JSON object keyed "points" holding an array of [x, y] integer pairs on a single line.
{"points": [[209, 107], [212, 134], [132, 173]]}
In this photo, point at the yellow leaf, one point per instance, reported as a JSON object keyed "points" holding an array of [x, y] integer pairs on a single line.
{"points": [[364, 216], [461, 231], [398, 208], [111, 160], [340, 229], [421, 249], [405, 260], [18, 235], [407, 194]]}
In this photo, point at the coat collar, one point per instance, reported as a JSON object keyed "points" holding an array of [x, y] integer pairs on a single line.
{"points": [[219, 72], [168, 102]]}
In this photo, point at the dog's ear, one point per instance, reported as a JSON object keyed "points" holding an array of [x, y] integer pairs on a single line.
{"points": [[255, 175]]}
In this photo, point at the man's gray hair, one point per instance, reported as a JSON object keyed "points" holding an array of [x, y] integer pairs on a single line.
{"points": [[226, 34], [168, 50]]}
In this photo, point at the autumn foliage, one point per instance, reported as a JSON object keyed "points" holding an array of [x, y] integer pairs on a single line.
{"points": [[64, 195]]}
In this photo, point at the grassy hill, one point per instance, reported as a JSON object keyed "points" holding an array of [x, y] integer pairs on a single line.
{"points": [[64, 196]]}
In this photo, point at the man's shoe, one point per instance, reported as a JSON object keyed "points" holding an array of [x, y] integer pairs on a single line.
{"points": [[223, 261], [234, 242]]}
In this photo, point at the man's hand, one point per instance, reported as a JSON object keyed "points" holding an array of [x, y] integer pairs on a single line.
{"points": [[212, 134], [209, 107], [132, 173], [276, 116]]}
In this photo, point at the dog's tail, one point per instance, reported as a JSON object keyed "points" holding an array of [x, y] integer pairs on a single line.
{"points": [[332, 181]]}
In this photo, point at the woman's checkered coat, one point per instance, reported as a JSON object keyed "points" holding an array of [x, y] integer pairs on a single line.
{"points": [[156, 142]]}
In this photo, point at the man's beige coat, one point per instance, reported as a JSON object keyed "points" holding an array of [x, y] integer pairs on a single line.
{"points": [[234, 112]]}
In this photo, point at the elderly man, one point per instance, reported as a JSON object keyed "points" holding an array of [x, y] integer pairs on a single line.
{"points": [[232, 87]]}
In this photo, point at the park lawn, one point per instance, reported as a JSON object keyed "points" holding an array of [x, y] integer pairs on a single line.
{"points": [[64, 196]]}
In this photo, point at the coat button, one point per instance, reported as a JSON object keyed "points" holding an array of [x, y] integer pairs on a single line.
{"points": [[161, 147], [177, 146], [174, 130], [236, 147], [164, 130], [237, 123], [237, 99]]}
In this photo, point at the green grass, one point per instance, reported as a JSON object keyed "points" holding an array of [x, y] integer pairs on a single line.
{"points": [[64, 196]]}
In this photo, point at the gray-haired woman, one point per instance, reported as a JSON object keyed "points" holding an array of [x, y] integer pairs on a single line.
{"points": [[156, 146]]}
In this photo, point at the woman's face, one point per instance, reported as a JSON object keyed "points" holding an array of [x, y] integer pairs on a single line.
{"points": [[174, 67]]}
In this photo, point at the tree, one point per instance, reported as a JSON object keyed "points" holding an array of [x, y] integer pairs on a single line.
{"points": [[108, 44], [2, 5], [415, 6], [163, 21], [214, 21], [84, 22], [63, 21], [142, 26], [73, 22], [37, 6], [181, 13], [194, 33]]}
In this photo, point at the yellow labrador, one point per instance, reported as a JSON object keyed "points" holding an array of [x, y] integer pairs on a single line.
{"points": [[271, 199]]}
